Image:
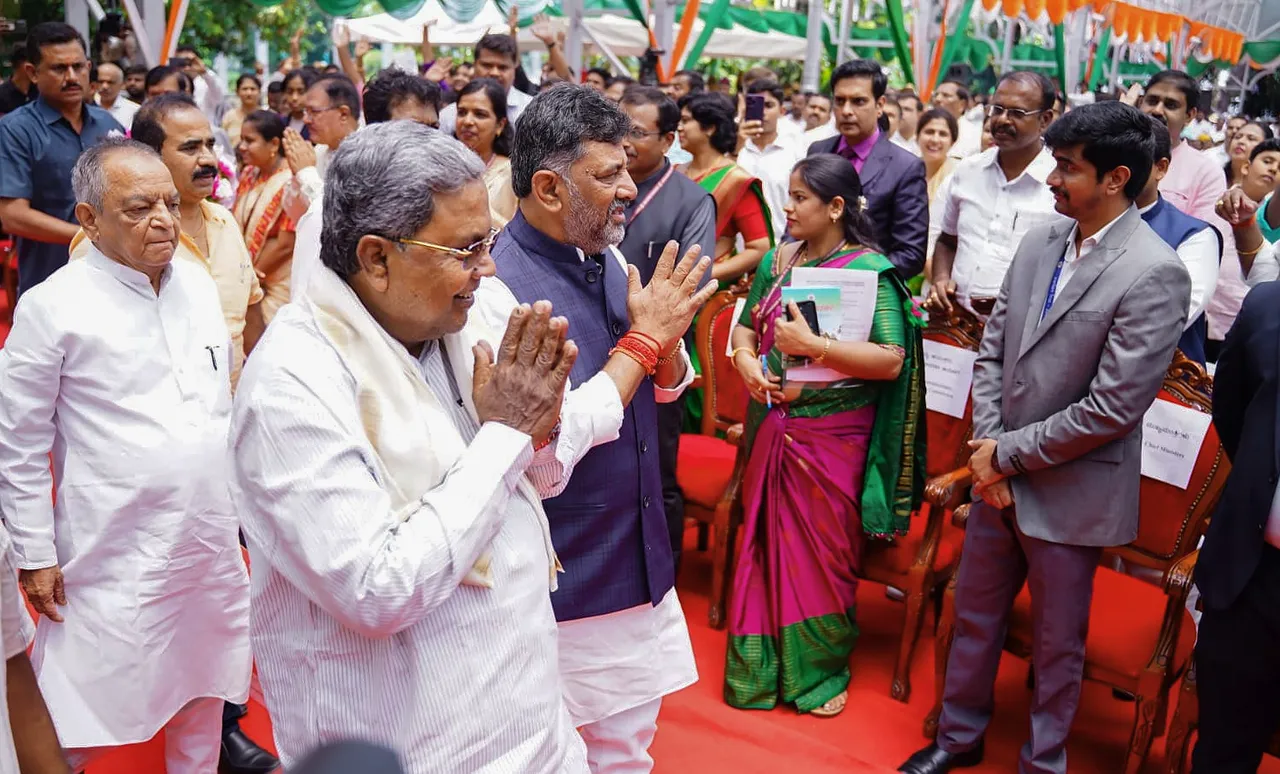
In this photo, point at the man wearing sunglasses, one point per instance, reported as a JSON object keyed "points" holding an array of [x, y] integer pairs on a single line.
{"points": [[993, 199]]}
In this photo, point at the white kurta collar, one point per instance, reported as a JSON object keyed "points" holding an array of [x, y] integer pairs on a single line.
{"points": [[127, 276]]}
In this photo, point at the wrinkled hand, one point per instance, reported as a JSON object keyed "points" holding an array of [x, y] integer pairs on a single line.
{"points": [[665, 307], [363, 46], [793, 337], [298, 152], [998, 494], [980, 463], [1235, 207], [543, 30], [439, 70], [942, 296], [524, 387], [759, 384], [44, 591]]}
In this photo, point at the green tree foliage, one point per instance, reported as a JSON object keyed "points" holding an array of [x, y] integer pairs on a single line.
{"points": [[225, 26]]}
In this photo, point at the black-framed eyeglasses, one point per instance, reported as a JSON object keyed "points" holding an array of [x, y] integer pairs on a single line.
{"points": [[469, 255], [1017, 114]]}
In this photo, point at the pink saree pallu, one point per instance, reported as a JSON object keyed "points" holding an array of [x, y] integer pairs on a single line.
{"points": [[791, 615]]}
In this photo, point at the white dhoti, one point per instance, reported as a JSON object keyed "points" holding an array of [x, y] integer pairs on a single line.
{"points": [[616, 668]]}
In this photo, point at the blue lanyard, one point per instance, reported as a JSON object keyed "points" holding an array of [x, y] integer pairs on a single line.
{"points": [[1053, 287]]}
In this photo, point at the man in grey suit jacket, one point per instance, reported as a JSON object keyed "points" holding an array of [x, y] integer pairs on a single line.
{"points": [[1073, 355]]}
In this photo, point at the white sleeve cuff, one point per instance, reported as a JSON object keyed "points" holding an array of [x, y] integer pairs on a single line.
{"points": [[672, 394]]}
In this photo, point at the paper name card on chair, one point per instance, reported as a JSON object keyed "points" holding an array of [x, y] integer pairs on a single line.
{"points": [[1171, 439], [948, 375]]}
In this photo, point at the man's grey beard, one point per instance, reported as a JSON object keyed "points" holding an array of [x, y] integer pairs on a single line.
{"points": [[589, 231]]}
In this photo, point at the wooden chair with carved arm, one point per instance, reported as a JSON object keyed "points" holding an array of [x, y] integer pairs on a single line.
{"points": [[709, 466], [921, 563], [1140, 634]]}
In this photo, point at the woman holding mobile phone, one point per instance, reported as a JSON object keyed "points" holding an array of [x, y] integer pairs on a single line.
{"points": [[830, 464]]}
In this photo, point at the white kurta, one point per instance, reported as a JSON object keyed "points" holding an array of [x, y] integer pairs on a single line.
{"points": [[360, 626], [129, 390]]}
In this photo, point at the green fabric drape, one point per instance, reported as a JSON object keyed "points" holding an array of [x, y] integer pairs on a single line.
{"points": [[1060, 54], [715, 17], [952, 45], [1100, 58], [1263, 51], [901, 41]]}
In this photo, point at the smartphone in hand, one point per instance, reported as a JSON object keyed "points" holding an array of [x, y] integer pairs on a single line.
{"points": [[755, 108]]}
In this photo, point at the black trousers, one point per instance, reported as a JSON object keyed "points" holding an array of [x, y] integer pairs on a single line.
{"points": [[670, 423], [1238, 676]]}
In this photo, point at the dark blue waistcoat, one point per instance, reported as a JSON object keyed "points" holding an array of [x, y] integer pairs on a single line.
{"points": [[1175, 227], [608, 526]]}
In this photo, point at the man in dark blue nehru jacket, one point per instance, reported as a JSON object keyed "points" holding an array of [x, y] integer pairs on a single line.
{"points": [[623, 640]]}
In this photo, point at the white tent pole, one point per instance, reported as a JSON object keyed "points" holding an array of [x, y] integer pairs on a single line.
{"points": [[813, 47], [1006, 51], [145, 46], [573, 44], [76, 14], [613, 58], [842, 48], [664, 22]]}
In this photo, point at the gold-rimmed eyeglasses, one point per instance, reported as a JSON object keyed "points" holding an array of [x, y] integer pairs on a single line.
{"points": [[469, 255], [1017, 114]]}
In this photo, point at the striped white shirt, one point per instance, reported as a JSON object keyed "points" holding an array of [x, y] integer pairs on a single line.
{"points": [[360, 629]]}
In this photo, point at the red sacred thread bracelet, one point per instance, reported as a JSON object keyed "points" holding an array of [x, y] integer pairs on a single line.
{"points": [[638, 350]]}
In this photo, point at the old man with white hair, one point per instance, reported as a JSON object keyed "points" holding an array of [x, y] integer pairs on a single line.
{"points": [[394, 434], [118, 366]]}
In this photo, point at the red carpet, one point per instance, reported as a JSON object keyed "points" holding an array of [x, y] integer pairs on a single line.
{"points": [[699, 733]]}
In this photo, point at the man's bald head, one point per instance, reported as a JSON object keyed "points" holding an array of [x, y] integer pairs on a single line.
{"points": [[110, 82]]}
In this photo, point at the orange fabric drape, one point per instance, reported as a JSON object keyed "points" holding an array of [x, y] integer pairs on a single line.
{"points": [[1149, 26], [1011, 8], [1057, 10], [681, 43], [1034, 8]]}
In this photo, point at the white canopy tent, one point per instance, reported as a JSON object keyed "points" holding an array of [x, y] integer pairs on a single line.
{"points": [[620, 35]]}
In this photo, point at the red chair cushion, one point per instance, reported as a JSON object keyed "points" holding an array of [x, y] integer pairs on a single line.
{"points": [[703, 468], [884, 561], [1124, 622]]}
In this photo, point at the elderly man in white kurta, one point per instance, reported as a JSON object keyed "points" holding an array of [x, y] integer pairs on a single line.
{"points": [[118, 366], [389, 473]]}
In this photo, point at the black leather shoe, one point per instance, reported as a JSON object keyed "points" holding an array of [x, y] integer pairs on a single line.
{"points": [[935, 760], [240, 755]]}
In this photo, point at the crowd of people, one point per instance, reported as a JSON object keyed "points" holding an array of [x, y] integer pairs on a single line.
{"points": [[420, 344]]}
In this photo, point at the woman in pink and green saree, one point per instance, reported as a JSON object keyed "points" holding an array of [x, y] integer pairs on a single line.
{"points": [[834, 461]]}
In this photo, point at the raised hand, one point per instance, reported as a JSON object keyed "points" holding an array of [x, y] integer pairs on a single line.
{"points": [[523, 387], [439, 70], [665, 307], [363, 46], [44, 591], [298, 152], [543, 30], [341, 35]]}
